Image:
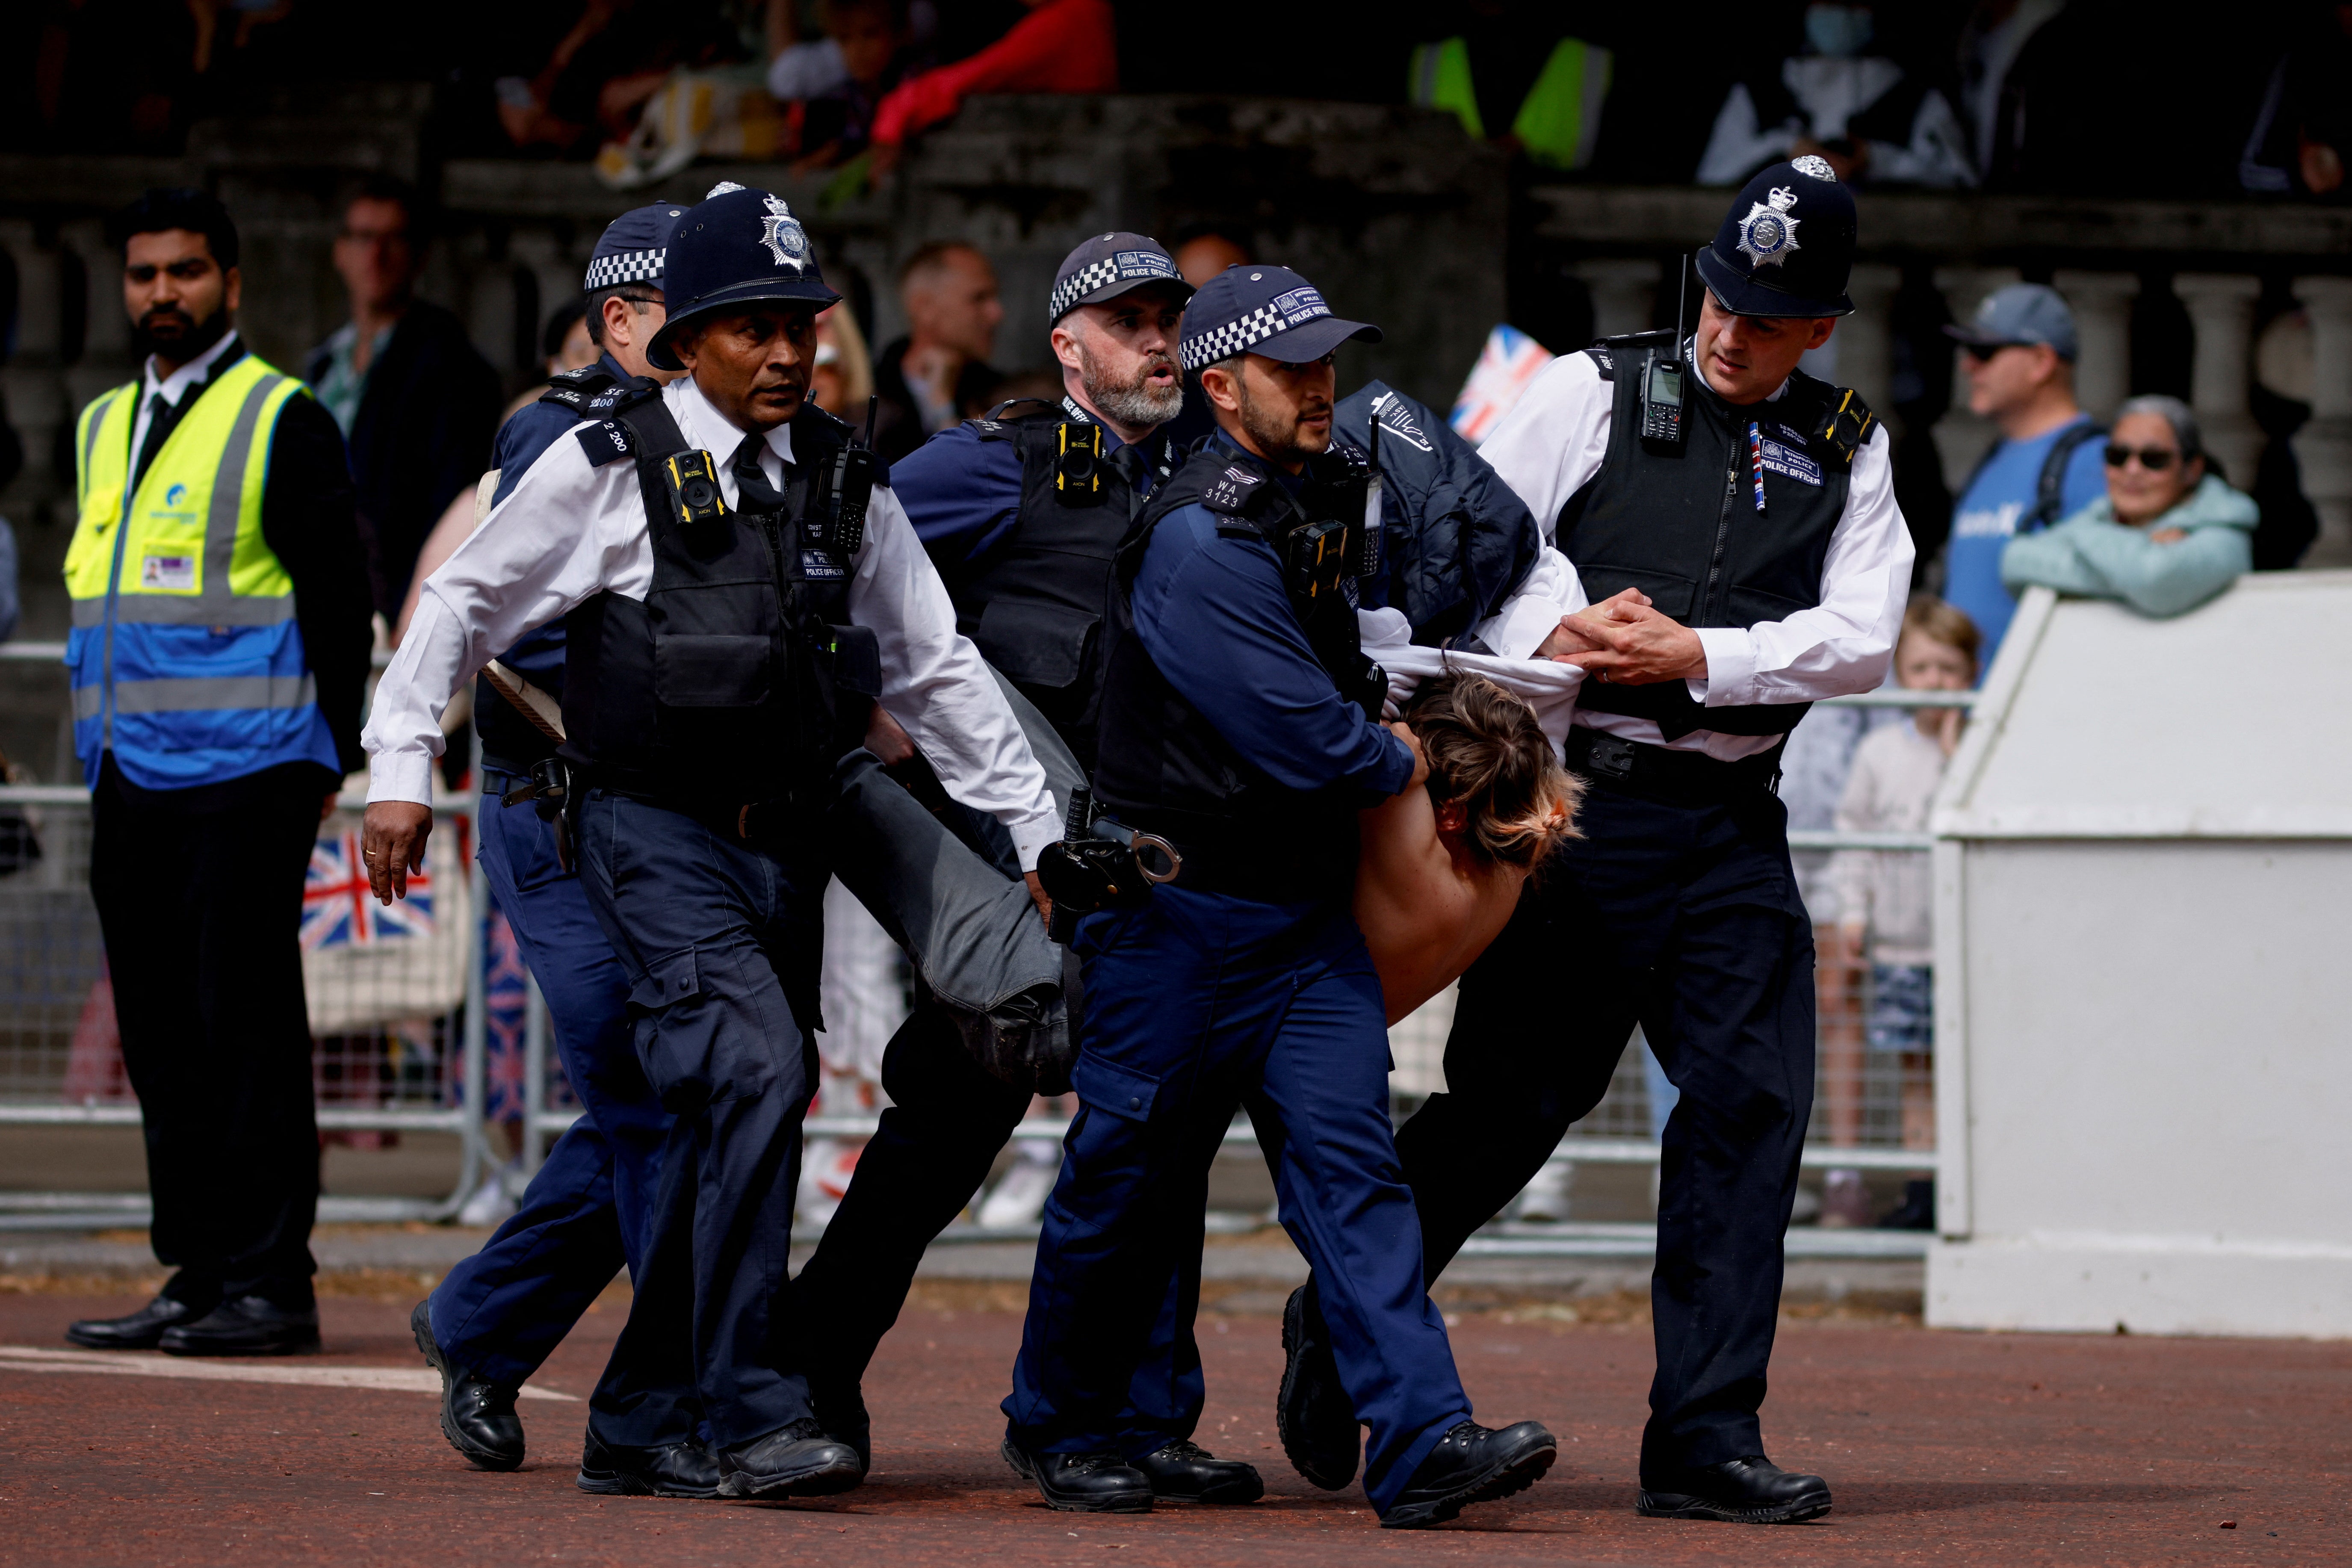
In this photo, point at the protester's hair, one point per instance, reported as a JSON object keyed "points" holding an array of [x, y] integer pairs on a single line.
{"points": [[2173, 412], [1486, 751], [930, 260], [1939, 621], [199, 212], [638, 295]]}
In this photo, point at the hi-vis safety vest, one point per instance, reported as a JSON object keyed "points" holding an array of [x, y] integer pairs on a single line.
{"points": [[185, 658], [1558, 122]]}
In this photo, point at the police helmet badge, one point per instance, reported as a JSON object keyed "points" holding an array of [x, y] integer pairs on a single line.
{"points": [[1768, 233], [1816, 166], [781, 232]]}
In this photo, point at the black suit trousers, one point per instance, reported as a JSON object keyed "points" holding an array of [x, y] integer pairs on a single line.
{"points": [[1685, 919], [201, 913]]}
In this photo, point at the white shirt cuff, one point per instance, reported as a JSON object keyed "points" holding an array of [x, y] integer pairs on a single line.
{"points": [[1521, 628], [401, 776], [1031, 833], [1730, 666]]}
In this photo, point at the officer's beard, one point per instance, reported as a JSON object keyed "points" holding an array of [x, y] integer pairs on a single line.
{"points": [[1275, 432], [1130, 401], [175, 334]]}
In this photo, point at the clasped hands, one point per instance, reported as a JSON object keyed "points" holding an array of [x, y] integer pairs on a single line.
{"points": [[1625, 641]]}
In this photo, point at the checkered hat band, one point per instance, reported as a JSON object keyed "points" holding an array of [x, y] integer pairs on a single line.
{"points": [[1096, 274], [1238, 336], [624, 266]]}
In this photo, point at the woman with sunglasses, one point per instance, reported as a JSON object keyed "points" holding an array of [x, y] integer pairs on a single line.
{"points": [[2168, 534]]}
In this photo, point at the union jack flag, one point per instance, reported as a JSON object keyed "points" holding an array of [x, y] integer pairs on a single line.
{"points": [[339, 910]]}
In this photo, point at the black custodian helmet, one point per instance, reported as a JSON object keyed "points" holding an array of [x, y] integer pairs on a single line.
{"points": [[740, 248], [1786, 247]]}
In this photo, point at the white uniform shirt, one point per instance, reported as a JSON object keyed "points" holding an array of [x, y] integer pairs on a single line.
{"points": [[174, 387], [569, 531], [1553, 441]]}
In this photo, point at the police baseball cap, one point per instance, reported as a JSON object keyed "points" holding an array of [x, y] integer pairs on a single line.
{"points": [[1251, 308], [631, 248], [2020, 314], [738, 247], [1786, 247], [1110, 265]]}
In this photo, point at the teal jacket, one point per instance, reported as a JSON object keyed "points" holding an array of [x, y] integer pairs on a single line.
{"points": [[2092, 554]]}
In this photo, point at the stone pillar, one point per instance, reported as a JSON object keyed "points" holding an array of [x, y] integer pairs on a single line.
{"points": [[35, 390], [105, 359], [1624, 293], [1961, 438], [2102, 302], [2324, 445], [1865, 340], [2221, 307]]}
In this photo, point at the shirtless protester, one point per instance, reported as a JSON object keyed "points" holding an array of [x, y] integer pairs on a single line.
{"points": [[1440, 867]]}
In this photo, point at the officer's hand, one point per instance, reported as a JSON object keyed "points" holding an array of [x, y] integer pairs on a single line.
{"points": [[1572, 635], [1420, 758], [1037, 897], [391, 842], [1639, 646], [891, 744]]}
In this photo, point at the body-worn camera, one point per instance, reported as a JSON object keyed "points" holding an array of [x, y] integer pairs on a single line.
{"points": [[1077, 464], [692, 480]]}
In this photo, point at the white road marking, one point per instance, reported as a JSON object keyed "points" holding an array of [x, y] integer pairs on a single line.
{"points": [[154, 1363]]}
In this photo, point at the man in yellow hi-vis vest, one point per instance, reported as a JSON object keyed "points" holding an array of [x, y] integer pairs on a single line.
{"points": [[218, 655]]}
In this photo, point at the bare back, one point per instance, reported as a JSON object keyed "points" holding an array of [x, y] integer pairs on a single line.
{"points": [[1427, 910]]}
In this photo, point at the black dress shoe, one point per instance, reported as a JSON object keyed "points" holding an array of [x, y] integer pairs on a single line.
{"points": [[1186, 1472], [841, 1414], [248, 1325], [477, 1416], [1752, 1490], [1472, 1463], [140, 1330], [798, 1460], [673, 1469], [1083, 1483], [1312, 1414]]}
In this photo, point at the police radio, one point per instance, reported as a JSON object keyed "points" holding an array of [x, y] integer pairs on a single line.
{"points": [[1662, 382], [848, 490]]}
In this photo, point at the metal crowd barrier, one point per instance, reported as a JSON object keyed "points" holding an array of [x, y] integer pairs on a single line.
{"points": [[428, 1073]]}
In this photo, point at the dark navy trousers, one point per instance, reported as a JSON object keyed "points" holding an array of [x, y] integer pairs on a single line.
{"points": [[588, 1209], [721, 943], [1197, 1003], [1685, 919]]}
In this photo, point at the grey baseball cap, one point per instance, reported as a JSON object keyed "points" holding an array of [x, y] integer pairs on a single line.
{"points": [[2022, 313]]}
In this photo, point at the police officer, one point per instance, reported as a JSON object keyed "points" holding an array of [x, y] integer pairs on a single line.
{"points": [[499, 1313], [1234, 726], [1022, 512], [748, 592], [1751, 559]]}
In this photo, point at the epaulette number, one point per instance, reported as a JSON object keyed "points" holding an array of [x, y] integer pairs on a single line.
{"points": [[1232, 491], [605, 441]]}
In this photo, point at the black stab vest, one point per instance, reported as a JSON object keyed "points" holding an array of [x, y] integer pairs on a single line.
{"points": [[510, 742], [738, 678], [1163, 766], [1684, 529], [1035, 606]]}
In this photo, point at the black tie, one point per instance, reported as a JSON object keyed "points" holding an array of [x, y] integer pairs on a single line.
{"points": [[161, 418], [1132, 466], [753, 493]]}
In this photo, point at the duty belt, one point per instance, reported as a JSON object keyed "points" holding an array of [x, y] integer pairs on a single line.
{"points": [[1674, 778]]}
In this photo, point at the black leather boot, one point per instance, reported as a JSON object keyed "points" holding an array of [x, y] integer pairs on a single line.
{"points": [[1083, 1483], [1186, 1472], [1472, 1463], [248, 1325], [477, 1416], [673, 1469], [138, 1330], [1312, 1414], [1750, 1490], [798, 1460], [841, 1412]]}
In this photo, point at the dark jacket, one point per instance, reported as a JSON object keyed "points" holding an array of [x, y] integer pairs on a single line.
{"points": [[423, 434], [898, 423]]}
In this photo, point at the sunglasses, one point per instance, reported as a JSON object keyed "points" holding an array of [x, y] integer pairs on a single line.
{"points": [[2155, 459], [1980, 352]]}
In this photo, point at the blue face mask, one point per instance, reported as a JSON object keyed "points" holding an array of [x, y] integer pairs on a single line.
{"points": [[1839, 31]]}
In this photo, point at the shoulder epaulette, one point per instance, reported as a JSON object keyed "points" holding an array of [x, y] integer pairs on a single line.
{"points": [[997, 424], [1234, 492], [605, 441], [1603, 352]]}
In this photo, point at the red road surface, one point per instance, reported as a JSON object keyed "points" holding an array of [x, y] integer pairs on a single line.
{"points": [[2006, 1449]]}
